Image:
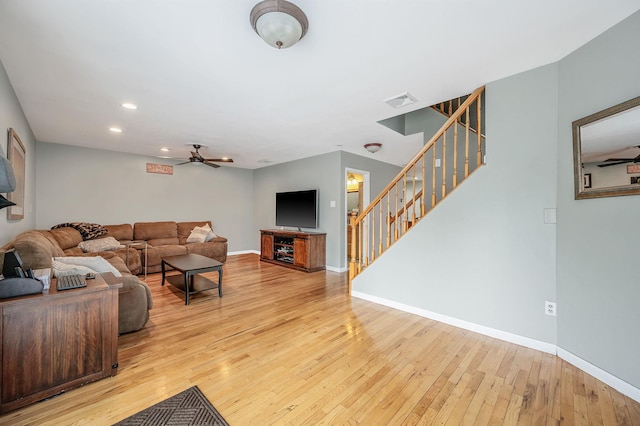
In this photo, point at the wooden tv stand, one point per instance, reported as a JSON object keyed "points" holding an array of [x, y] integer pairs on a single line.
{"points": [[305, 251], [57, 340]]}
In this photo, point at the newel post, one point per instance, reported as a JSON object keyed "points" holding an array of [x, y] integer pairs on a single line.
{"points": [[352, 255]]}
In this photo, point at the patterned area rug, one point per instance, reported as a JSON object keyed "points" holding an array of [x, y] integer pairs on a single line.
{"points": [[188, 408]]}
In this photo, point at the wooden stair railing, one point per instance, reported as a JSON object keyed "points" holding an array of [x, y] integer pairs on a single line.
{"points": [[440, 166], [449, 107]]}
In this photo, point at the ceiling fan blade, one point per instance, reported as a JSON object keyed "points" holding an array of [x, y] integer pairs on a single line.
{"points": [[220, 160], [215, 166], [186, 162], [616, 163]]}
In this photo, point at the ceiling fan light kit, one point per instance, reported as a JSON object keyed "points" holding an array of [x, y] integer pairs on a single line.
{"points": [[279, 23]]}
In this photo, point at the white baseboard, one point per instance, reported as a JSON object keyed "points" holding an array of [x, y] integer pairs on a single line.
{"points": [[233, 253], [487, 331], [335, 269], [605, 377]]}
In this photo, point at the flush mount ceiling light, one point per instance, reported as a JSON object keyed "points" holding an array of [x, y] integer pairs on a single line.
{"points": [[129, 105], [281, 24], [115, 129], [373, 147]]}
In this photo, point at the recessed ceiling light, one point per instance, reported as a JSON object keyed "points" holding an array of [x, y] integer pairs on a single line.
{"points": [[115, 129], [128, 105], [165, 149]]}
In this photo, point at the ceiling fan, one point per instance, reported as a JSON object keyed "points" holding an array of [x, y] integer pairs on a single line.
{"points": [[616, 161], [197, 158]]}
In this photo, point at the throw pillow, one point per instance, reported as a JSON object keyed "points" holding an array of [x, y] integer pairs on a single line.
{"points": [[101, 244], [210, 235], [96, 263], [198, 235]]}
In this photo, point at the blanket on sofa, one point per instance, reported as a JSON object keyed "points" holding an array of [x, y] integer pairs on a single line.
{"points": [[71, 265], [88, 231]]}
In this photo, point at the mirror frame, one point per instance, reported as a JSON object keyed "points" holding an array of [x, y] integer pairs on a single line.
{"points": [[580, 193]]}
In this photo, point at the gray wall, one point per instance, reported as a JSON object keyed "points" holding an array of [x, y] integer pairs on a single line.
{"points": [[326, 173], [11, 116], [90, 185], [484, 254], [598, 280], [321, 172]]}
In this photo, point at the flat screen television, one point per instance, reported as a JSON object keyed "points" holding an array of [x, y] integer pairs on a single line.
{"points": [[297, 208]]}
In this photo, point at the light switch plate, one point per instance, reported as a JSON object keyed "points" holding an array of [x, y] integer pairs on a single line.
{"points": [[549, 215]]}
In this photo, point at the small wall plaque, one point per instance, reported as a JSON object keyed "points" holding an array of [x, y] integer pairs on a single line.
{"points": [[633, 168], [162, 169]]}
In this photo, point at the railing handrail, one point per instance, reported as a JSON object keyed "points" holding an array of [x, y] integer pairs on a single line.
{"points": [[385, 220], [452, 119]]}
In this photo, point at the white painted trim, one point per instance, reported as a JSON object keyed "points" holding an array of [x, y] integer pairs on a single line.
{"points": [[233, 253], [336, 269], [487, 331], [605, 377]]}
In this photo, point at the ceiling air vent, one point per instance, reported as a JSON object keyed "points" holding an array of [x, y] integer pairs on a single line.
{"points": [[401, 100]]}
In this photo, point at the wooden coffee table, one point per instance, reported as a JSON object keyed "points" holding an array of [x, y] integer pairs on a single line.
{"points": [[190, 266]]}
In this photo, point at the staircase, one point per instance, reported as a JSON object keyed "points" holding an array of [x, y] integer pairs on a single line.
{"points": [[454, 152]]}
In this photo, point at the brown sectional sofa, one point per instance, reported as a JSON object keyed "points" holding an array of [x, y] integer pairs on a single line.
{"points": [[164, 239], [36, 249]]}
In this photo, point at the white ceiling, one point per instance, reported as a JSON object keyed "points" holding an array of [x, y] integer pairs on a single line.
{"points": [[200, 74]]}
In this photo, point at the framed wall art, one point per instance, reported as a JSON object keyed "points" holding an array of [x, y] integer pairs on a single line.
{"points": [[16, 154]]}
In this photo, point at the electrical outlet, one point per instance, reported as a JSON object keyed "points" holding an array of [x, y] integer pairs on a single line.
{"points": [[437, 162], [550, 308]]}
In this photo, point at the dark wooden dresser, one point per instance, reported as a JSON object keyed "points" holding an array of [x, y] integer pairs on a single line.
{"points": [[58, 340]]}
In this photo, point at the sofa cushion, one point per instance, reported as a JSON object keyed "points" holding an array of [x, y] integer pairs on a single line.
{"points": [[134, 264], [73, 251], [155, 254], [150, 231], [214, 251], [185, 228], [66, 237], [118, 263], [122, 232], [163, 242], [36, 250]]}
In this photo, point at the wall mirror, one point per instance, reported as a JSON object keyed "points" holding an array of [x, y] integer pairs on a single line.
{"points": [[606, 152]]}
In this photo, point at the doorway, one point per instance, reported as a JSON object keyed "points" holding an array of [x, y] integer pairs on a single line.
{"points": [[357, 197]]}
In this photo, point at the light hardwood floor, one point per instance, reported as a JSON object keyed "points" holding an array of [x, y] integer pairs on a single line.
{"points": [[290, 348]]}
